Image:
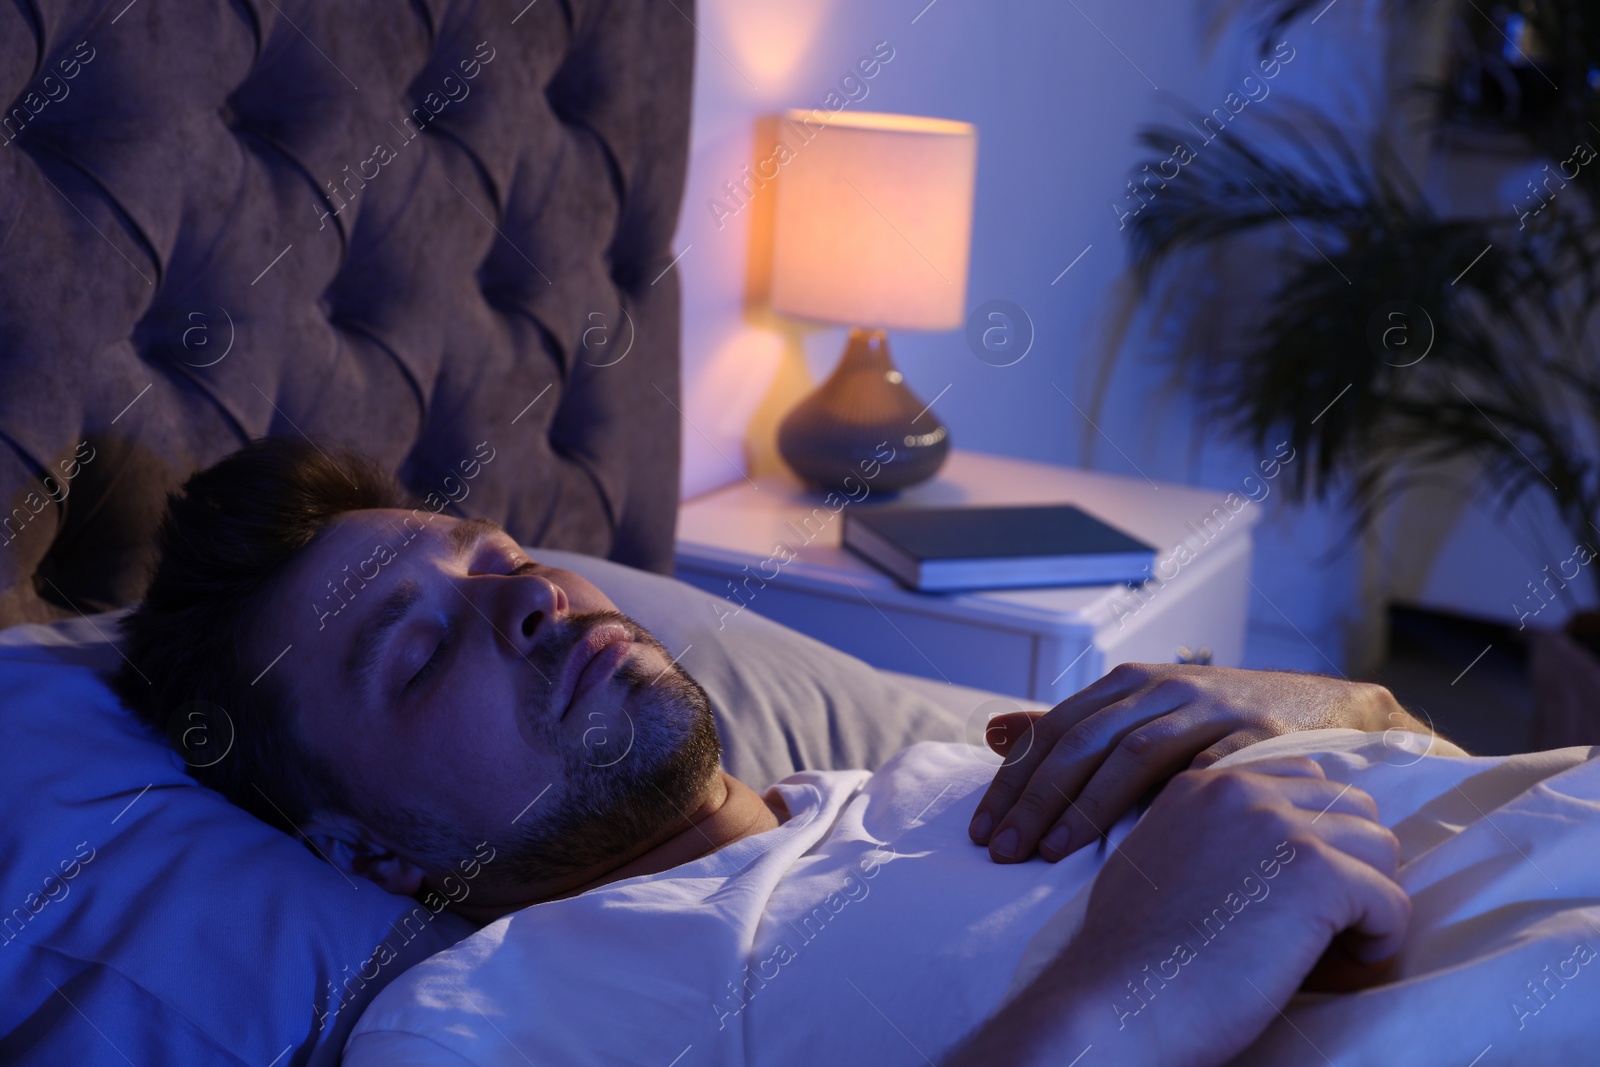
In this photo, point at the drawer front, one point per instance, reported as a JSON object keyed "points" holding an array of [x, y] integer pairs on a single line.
{"points": [[1205, 610], [945, 649], [1208, 612]]}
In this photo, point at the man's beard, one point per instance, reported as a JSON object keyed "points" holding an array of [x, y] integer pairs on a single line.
{"points": [[624, 783]]}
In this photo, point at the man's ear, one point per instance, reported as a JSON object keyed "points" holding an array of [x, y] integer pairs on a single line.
{"points": [[353, 849]]}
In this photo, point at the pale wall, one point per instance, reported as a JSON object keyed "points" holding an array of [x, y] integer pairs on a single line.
{"points": [[1057, 106]]}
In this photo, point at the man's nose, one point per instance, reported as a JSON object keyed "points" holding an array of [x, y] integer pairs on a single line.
{"points": [[532, 606]]}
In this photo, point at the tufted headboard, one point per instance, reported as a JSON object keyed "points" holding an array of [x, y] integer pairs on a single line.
{"points": [[437, 231]]}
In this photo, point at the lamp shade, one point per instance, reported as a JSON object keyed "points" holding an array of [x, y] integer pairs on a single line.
{"points": [[873, 221]]}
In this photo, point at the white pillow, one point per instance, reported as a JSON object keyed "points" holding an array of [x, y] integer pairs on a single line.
{"points": [[143, 918], [784, 701], [144, 915]]}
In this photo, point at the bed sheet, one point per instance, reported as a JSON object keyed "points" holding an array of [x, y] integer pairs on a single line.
{"points": [[1501, 858]]}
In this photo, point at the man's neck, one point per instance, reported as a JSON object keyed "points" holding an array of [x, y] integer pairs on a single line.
{"points": [[730, 811]]}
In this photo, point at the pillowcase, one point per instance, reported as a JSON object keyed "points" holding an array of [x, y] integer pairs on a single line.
{"points": [[145, 919], [784, 701], [144, 916]]}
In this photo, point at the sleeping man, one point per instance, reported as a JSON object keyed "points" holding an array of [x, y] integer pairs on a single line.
{"points": [[644, 906]]}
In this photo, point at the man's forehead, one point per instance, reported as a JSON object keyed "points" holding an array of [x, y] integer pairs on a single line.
{"points": [[350, 533], [357, 551], [363, 547]]}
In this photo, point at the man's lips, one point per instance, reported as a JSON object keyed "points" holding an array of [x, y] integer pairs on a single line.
{"points": [[594, 657]]}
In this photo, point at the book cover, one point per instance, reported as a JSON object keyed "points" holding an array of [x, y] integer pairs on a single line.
{"points": [[938, 549]]}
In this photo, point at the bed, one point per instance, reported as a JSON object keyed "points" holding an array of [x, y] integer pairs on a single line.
{"points": [[436, 230], [432, 231], [413, 227]]}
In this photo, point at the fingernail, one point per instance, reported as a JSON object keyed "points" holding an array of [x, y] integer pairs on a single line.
{"points": [[1006, 844], [982, 823], [1057, 841]]}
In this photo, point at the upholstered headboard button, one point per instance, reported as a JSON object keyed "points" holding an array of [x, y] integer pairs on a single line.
{"points": [[416, 228]]}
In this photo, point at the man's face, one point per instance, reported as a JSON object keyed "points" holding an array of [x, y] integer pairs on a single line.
{"points": [[465, 693]]}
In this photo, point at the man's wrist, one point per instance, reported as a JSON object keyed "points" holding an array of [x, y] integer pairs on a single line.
{"points": [[1381, 711]]}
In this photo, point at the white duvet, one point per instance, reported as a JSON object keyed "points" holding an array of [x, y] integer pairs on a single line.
{"points": [[1501, 857]]}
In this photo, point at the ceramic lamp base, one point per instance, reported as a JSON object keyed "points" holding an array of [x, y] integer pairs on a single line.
{"points": [[850, 423]]}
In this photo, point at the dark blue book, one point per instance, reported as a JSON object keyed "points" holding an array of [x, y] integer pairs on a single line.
{"points": [[942, 549]]}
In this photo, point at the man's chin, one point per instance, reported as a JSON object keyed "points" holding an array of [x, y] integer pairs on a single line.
{"points": [[629, 775]]}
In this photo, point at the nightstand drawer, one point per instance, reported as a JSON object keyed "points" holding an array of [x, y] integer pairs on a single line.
{"points": [[773, 547], [1205, 611], [934, 646]]}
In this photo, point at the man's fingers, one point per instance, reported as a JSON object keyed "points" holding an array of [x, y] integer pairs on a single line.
{"points": [[1284, 767], [1357, 835], [1004, 732], [1149, 755], [1030, 793], [1228, 746], [1111, 687], [1353, 854], [1116, 684], [1120, 683], [1302, 782], [1054, 735], [1145, 757], [1376, 910]]}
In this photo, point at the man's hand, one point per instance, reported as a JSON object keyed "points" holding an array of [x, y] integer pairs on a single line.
{"points": [[1206, 920], [1073, 771]]}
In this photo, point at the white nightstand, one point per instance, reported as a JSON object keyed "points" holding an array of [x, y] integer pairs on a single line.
{"points": [[774, 549]]}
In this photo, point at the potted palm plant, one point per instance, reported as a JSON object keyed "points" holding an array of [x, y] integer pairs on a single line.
{"points": [[1399, 336]]}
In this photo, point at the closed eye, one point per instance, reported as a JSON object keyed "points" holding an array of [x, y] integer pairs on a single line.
{"points": [[427, 669]]}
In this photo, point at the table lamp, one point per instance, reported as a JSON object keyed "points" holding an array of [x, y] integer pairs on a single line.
{"points": [[872, 223]]}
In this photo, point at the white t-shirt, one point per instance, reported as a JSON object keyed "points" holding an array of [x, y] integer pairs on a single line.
{"points": [[868, 928]]}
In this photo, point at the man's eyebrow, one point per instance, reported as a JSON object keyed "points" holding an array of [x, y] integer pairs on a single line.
{"points": [[468, 532], [392, 611]]}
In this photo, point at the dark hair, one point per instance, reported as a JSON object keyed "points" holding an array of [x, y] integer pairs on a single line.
{"points": [[193, 670]]}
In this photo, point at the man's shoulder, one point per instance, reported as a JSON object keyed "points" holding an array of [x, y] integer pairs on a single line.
{"points": [[550, 977]]}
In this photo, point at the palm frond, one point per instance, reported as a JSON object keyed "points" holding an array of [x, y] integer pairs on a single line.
{"points": [[1507, 378]]}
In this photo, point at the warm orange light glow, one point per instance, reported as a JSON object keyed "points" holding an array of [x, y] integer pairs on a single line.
{"points": [[878, 120], [873, 219], [771, 39]]}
